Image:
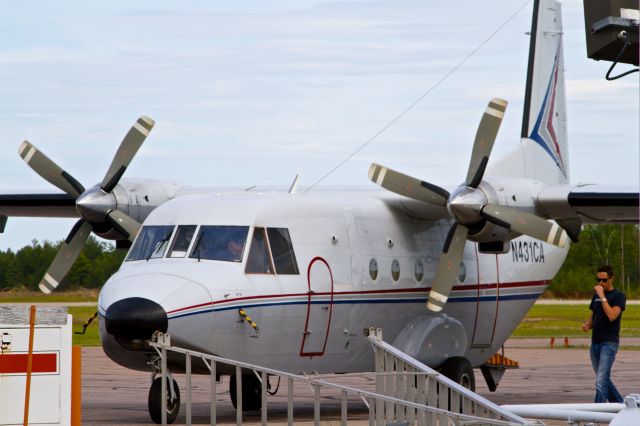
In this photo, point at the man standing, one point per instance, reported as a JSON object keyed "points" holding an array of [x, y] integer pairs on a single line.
{"points": [[606, 307]]}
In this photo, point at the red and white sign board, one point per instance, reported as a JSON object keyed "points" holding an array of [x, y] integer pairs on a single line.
{"points": [[50, 396]]}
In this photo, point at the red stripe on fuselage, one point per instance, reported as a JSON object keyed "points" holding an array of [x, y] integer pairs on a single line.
{"points": [[388, 291]]}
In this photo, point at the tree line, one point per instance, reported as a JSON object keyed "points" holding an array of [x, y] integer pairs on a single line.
{"points": [[616, 245], [25, 268]]}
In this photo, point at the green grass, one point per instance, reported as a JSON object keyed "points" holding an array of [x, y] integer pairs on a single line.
{"points": [[80, 315], [545, 321], [24, 296]]}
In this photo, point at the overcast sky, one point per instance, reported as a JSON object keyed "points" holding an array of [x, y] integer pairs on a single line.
{"points": [[254, 92]]}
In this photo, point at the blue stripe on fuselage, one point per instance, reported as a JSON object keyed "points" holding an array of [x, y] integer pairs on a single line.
{"points": [[365, 301]]}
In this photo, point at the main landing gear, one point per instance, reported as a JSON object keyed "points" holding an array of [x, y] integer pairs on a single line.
{"points": [[251, 392], [459, 370]]}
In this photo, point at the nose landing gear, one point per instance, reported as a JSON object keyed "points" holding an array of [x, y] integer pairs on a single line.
{"points": [[172, 395], [155, 400]]}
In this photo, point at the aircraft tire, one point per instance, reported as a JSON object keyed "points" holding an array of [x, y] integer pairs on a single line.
{"points": [[459, 370], [251, 392], [155, 402]]}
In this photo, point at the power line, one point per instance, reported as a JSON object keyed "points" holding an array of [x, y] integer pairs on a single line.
{"points": [[414, 103]]}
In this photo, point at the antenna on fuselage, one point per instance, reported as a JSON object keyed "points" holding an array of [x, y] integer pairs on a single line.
{"points": [[294, 184]]}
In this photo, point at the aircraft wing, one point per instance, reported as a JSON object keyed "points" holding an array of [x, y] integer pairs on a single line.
{"points": [[590, 203], [38, 205]]}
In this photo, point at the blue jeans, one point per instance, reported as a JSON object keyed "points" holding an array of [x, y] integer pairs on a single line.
{"points": [[602, 357]]}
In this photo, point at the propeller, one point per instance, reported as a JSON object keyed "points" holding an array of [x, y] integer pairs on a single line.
{"points": [[468, 205], [66, 256], [97, 206], [49, 170]]}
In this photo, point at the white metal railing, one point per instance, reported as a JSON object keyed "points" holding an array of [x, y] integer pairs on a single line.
{"points": [[404, 377], [381, 406]]}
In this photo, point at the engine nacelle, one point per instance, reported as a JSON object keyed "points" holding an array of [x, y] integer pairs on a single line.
{"points": [[488, 232], [137, 198], [519, 194]]}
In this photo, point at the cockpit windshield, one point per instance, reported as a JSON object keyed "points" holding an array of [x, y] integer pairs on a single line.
{"points": [[276, 250], [182, 241], [220, 243], [151, 242]]}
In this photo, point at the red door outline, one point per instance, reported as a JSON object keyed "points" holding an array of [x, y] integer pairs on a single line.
{"points": [[309, 294]]}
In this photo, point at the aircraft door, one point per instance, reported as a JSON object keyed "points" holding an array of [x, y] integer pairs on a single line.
{"points": [[319, 308], [487, 300]]}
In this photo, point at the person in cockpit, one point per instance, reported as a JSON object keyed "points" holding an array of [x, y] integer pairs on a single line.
{"points": [[235, 248]]}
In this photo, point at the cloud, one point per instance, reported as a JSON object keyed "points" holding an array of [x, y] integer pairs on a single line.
{"points": [[257, 90], [601, 88]]}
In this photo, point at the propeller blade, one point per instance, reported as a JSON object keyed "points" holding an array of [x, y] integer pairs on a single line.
{"points": [[525, 223], [408, 186], [66, 256], [128, 148], [485, 137], [124, 224], [49, 170], [448, 267]]}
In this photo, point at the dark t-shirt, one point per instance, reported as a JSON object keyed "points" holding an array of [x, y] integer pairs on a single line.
{"points": [[603, 329]]}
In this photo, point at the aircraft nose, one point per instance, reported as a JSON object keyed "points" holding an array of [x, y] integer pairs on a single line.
{"points": [[135, 318]]}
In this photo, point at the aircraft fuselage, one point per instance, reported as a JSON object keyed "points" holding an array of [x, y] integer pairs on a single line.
{"points": [[359, 262]]}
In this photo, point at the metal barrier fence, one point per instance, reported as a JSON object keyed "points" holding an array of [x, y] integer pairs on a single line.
{"points": [[403, 377], [412, 407]]}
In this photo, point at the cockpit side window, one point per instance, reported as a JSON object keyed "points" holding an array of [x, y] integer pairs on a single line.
{"points": [[284, 259], [259, 261], [151, 243], [182, 241], [224, 243]]}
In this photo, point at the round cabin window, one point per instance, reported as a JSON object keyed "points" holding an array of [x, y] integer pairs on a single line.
{"points": [[462, 273], [419, 270], [373, 269], [395, 270]]}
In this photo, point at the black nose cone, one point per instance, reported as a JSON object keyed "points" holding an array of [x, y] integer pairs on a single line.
{"points": [[135, 318]]}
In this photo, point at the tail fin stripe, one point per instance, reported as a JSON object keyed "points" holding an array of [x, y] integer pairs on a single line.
{"points": [[546, 136]]}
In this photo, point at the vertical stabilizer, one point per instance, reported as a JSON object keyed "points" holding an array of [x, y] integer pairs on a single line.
{"points": [[542, 154], [544, 122]]}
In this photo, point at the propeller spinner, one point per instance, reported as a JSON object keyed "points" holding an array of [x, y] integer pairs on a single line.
{"points": [[97, 206], [468, 205]]}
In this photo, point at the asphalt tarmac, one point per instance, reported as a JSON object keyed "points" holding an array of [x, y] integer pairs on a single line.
{"points": [[114, 395]]}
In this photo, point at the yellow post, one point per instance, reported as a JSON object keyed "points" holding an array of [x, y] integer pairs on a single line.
{"points": [[32, 323], [76, 386]]}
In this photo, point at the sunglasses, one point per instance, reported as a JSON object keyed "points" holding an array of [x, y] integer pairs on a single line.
{"points": [[602, 280]]}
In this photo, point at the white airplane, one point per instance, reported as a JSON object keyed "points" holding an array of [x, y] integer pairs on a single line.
{"points": [[312, 269]]}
